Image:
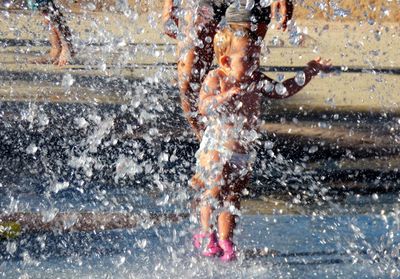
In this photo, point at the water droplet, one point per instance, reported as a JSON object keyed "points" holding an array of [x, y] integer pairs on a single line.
{"points": [[249, 5], [11, 247], [323, 125], [81, 122], [280, 77], [7, 4], [300, 78], [340, 12], [313, 149], [277, 42], [265, 3], [268, 145], [49, 215], [31, 149], [67, 81], [280, 89], [268, 86], [120, 261], [250, 71], [60, 186], [377, 35], [43, 120], [91, 6], [330, 102], [142, 243], [171, 26]]}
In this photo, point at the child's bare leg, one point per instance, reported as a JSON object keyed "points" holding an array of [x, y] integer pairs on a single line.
{"points": [[226, 225], [226, 219], [200, 181], [60, 32], [206, 239], [231, 197], [55, 48], [65, 53], [55, 43], [205, 216]]}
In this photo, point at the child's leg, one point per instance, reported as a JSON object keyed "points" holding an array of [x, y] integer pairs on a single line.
{"points": [[231, 198], [202, 181], [55, 43], [65, 52], [235, 182], [55, 48], [225, 181], [205, 209], [64, 34], [206, 239], [211, 247], [60, 36]]}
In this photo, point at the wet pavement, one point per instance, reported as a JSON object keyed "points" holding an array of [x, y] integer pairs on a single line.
{"points": [[270, 246]]}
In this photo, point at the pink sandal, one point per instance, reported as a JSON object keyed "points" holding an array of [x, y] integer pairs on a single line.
{"points": [[228, 248], [212, 249]]}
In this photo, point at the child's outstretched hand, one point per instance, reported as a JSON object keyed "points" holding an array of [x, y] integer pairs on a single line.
{"points": [[320, 65]]}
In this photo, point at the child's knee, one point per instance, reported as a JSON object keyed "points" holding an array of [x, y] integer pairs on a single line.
{"points": [[233, 199], [214, 192]]}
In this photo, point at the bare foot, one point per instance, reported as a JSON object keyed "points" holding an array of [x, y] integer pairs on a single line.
{"points": [[63, 58], [55, 52]]}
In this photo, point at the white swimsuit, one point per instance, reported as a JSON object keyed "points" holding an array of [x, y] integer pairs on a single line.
{"points": [[215, 138]]}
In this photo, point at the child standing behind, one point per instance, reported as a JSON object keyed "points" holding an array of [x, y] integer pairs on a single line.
{"points": [[62, 49], [230, 105]]}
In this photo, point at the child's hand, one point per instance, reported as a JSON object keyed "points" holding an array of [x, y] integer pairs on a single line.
{"points": [[320, 65]]}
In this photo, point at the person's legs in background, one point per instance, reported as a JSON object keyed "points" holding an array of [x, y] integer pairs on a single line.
{"points": [[60, 35]]}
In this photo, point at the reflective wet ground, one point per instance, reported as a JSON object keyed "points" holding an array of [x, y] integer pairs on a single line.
{"points": [[345, 245]]}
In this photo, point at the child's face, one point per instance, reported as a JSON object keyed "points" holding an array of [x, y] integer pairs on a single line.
{"points": [[243, 59]]}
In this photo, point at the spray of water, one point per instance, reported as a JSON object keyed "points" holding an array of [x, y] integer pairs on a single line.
{"points": [[96, 156]]}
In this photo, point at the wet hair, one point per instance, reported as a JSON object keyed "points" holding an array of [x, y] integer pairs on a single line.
{"points": [[224, 37]]}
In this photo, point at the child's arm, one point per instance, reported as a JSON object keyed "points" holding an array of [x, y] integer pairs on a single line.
{"points": [[290, 87], [209, 93], [212, 95]]}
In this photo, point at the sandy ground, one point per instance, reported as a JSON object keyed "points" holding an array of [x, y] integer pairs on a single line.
{"points": [[124, 43], [131, 47], [338, 10]]}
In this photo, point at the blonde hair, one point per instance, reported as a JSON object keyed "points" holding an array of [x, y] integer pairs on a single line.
{"points": [[224, 37]]}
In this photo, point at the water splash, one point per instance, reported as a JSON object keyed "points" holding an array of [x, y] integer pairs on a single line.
{"points": [[106, 136]]}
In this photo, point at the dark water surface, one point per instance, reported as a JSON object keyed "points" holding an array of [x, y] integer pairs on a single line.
{"points": [[304, 216]]}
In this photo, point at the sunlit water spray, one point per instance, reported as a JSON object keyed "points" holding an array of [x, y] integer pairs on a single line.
{"points": [[120, 145]]}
